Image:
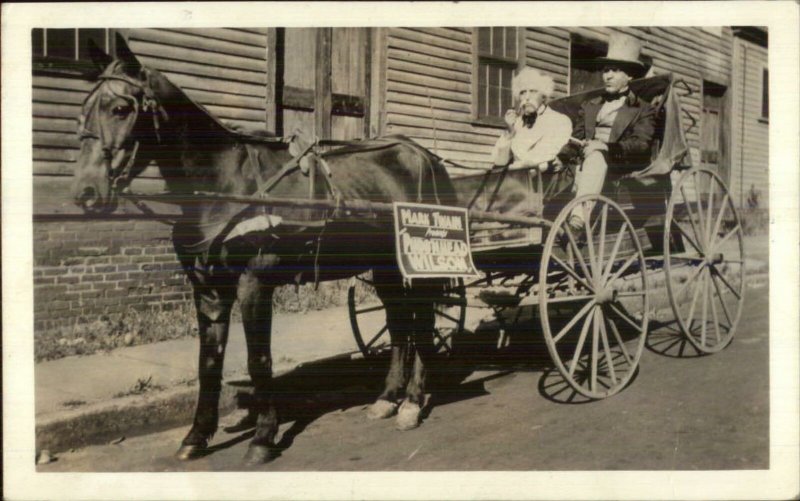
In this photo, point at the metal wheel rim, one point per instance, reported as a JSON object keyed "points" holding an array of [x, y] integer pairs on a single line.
{"points": [[711, 274], [606, 318], [373, 344]]}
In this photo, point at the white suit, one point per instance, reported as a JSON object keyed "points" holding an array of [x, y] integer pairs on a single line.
{"points": [[536, 144]]}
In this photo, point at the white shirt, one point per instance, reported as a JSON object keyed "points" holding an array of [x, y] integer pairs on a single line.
{"points": [[605, 118], [536, 144]]}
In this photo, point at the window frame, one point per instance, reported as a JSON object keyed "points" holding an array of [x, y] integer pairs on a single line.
{"points": [[478, 58], [44, 64], [764, 116]]}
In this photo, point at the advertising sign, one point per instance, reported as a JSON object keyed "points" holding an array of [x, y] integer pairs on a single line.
{"points": [[432, 241]]}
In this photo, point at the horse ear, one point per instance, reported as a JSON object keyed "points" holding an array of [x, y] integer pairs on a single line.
{"points": [[99, 57], [130, 63]]}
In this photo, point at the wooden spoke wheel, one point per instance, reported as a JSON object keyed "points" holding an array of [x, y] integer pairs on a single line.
{"points": [[368, 320], [593, 300], [704, 260]]}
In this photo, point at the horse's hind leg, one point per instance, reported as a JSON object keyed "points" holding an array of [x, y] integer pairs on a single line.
{"points": [[213, 316], [421, 303], [255, 299], [398, 321]]}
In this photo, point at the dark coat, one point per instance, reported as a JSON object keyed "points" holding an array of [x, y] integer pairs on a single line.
{"points": [[631, 134]]}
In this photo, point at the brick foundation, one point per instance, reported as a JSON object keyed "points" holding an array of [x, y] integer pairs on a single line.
{"points": [[85, 268]]}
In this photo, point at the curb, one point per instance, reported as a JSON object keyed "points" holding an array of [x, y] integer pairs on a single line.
{"points": [[120, 418], [102, 422]]}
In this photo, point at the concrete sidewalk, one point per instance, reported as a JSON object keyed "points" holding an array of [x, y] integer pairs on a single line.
{"points": [[91, 399], [98, 398]]}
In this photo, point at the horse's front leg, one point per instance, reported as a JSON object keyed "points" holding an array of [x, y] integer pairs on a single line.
{"points": [[255, 299], [213, 316]]}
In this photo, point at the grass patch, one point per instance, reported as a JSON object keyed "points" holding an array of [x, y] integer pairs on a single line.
{"points": [[71, 404], [142, 386], [115, 330], [134, 327]]}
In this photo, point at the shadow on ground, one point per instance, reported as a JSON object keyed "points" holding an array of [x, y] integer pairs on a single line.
{"points": [[511, 342]]}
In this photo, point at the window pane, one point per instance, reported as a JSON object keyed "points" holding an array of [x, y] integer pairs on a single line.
{"points": [[61, 43], [37, 39], [484, 40], [505, 89], [482, 91], [511, 43], [494, 76], [497, 41], [97, 35], [494, 101], [584, 74]]}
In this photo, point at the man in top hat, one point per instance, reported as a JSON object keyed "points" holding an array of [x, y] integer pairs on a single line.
{"points": [[616, 129], [536, 133]]}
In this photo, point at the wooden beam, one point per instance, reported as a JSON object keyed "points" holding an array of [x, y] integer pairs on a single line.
{"points": [[322, 92], [378, 80], [270, 104]]}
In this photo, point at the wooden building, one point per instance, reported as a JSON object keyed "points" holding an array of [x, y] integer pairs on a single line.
{"points": [[446, 88]]}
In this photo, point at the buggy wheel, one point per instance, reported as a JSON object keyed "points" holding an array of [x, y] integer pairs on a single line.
{"points": [[593, 302], [368, 320], [704, 260]]}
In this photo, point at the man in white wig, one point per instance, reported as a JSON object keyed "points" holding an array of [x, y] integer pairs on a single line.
{"points": [[536, 132]]}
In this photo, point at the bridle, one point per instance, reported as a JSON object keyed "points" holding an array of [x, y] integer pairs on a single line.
{"points": [[121, 175]]}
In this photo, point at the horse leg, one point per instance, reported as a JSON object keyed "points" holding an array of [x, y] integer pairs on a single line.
{"points": [[398, 322], [255, 300], [421, 302], [213, 316]]}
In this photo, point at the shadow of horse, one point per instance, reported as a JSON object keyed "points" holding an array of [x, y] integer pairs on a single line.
{"points": [[494, 349]]}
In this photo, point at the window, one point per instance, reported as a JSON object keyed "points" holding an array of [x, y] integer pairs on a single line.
{"points": [[584, 74], [765, 94], [710, 132], [498, 54], [66, 49]]}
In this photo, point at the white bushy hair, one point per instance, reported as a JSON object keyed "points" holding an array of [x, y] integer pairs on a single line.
{"points": [[530, 78]]}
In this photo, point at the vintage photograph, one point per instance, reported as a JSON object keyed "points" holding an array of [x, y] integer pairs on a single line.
{"points": [[482, 248]]}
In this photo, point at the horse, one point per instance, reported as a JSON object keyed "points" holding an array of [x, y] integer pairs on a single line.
{"points": [[235, 251]]}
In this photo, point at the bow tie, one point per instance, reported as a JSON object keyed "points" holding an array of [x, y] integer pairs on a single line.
{"points": [[529, 120], [613, 97]]}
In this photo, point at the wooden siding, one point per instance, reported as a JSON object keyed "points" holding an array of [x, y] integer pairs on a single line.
{"points": [[223, 69], [750, 152], [429, 78]]}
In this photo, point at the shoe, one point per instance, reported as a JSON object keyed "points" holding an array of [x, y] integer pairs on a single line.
{"points": [[575, 224], [576, 227]]}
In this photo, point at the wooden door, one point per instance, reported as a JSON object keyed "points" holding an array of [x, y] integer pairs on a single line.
{"points": [[322, 81]]}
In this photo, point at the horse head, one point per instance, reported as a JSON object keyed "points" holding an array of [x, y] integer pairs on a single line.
{"points": [[119, 115]]}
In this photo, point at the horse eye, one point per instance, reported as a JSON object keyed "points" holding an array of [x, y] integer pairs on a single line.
{"points": [[121, 111]]}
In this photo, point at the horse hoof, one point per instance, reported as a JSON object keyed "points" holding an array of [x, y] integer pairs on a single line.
{"points": [[408, 416], [257, 454], [381, 409], [189, 452]]}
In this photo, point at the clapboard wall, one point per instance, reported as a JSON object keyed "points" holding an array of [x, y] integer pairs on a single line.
{"points": [[750, 129], [429, 72], [223, 69]]}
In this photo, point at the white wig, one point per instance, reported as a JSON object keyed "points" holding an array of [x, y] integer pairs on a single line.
{"points": [[529, 78]]}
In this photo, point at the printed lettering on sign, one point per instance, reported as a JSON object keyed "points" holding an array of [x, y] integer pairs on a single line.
{"points": [[432, 241]]}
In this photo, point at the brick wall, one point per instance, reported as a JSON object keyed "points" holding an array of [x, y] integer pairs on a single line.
{"points": [[84, 268]]}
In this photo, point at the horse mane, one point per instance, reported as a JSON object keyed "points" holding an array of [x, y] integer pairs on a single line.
{"points": [[237, 132]]}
